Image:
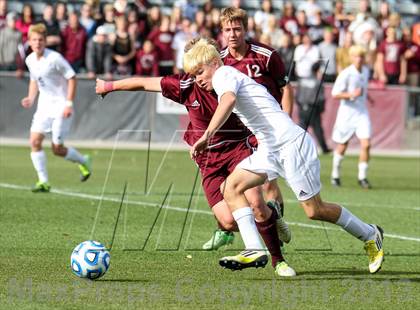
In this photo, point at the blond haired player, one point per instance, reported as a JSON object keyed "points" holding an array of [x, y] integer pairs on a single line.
{"points": [[351, 88], [54, 79], [284, 149]]}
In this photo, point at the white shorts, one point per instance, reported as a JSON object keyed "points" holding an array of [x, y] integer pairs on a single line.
{"points": [[58, 126], [344, 129], [297, 162]]}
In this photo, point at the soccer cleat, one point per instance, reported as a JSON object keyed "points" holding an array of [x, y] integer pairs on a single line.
{"points": [[375, 251], [282, 228], [282, 269], [336, 182], [245, 259], [364, 183], [219, 239], [41, 187], [86, 168]]}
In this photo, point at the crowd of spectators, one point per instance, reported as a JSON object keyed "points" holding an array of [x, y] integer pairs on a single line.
{"points": [[136, 38]]}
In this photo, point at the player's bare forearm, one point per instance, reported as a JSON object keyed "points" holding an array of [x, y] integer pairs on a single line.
{"points": [[344, 95], [71, 88], [222, 113], [28, 101], [287, 99], [129, 84], [33, 90]]}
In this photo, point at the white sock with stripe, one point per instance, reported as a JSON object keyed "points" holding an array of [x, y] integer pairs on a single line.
{"points": [[245, 219], [354, 226], [39, 160]]}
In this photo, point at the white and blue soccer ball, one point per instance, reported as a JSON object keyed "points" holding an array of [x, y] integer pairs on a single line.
{"points": [[90, 259]]}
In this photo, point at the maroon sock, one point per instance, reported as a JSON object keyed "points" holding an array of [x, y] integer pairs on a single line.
{"points": [[268, 231]]}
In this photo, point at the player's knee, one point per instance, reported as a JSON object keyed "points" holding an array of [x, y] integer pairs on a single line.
{"points": [[365, 144], [36, 144], [58, 150], [232, 189]]}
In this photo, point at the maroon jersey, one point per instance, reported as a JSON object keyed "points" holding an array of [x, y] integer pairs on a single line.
{"points": [[162, 41], [392, 56], [147, 64], [261, 63], [201, 106]]}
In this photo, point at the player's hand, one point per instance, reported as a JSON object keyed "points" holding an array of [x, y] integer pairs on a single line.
{"points": [[357, 92], [67, 112], [27, 102], [100, 87], [199, 146]]}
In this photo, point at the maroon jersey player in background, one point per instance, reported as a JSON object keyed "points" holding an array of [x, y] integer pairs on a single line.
{"points": [[263, 64], [230, 146]]}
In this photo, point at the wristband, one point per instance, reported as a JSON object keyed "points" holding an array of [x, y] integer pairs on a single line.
{"points": [[69, 103], [109, 86]]}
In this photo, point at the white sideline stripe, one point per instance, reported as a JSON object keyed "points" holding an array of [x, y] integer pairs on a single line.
{"points": [[149, 204], [97, 197]]}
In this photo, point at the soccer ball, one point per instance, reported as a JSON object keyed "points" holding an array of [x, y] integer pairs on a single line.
{"points": [[90, 259]]}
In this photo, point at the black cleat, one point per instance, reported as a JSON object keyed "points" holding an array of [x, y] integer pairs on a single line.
{"points": [[336, 182], [364, 183]]}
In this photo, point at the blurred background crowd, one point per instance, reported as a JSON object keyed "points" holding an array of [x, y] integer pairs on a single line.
{"points": [[145, 37]]}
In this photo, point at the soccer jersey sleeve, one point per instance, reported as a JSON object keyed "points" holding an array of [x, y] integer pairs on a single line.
{"points": [[340, 84], [277, 69], [28, 64], [64, 67], [226, 79], [171, 87]]}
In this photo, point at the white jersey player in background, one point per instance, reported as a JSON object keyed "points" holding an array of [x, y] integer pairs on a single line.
{"points": [[54, 79], [352, 117], [284, 150]]}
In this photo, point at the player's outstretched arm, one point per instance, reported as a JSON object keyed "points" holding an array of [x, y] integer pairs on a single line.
{"points": [[129, 84], [220, 116]]}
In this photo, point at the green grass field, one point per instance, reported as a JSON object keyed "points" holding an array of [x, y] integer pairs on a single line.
{"points": [[149, 265]]}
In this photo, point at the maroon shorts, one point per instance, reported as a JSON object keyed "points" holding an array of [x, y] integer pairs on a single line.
{"points": [[218, 162]]}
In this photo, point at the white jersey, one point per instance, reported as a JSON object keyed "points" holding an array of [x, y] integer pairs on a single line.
{"points": [[347, 81], [352, 116], [256, 108], [51, 73]]}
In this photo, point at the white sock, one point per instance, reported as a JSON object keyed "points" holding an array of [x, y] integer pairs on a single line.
{"points": [[337, 158], [74, 156], [363, 168], [39, 160], [354, 226], [246, 224]]}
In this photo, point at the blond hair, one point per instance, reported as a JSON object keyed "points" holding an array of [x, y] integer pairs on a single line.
{"points": [[357, 50], [234, 14], [200, 51], [38, 28]]}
